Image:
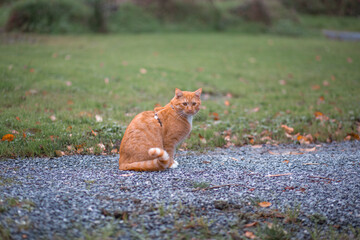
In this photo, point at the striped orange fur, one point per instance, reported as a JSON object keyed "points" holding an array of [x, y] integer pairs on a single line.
{"points": [[150, 139]]}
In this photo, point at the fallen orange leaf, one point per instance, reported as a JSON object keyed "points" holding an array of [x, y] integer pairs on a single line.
{"points": [[8, 137], [287, 129], [315, 87], [308, 149], [273, 153], [253, 224], [282, 82], [264, 204], [347, 138], [216, 116], [250, 235], [52, 138], [254, 110], [278, 175], [321, 116], [59, 153], [101, 146], [80, 146], [202, 139], [296, 153], [354, 135], [93, 132], [17, 118]]}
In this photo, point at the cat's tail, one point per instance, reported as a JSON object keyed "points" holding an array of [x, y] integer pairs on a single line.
{"points": [[160, 162], [159, 153]]}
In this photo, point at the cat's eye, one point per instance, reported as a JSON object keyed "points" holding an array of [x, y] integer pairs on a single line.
{"points": [[194, 103], [185, 103]]}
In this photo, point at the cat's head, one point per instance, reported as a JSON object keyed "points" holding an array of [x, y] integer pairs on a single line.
{"points": [[186, 103]]}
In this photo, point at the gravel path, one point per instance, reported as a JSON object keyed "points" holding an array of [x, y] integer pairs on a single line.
{"points": [[210, 195]]}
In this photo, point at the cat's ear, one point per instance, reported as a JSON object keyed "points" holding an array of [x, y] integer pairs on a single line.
{"points": [[178, 93], [198, 92]]}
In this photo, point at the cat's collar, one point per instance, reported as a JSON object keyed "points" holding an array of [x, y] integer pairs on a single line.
{"points": [[157, 118]]}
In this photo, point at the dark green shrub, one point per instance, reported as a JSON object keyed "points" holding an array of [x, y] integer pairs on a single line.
{"points": [[132, 18], [326, 7], [188, 14], [286, 27], [98, 21], [49, 16]]}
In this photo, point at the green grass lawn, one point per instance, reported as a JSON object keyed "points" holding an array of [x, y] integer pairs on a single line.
{"points": [[52, 88]]}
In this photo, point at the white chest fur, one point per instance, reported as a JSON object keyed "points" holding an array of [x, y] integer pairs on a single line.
{"points": [[190, 119]]}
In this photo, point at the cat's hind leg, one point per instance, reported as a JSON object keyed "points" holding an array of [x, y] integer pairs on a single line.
{"points": [[161, 162], [175, 164]]}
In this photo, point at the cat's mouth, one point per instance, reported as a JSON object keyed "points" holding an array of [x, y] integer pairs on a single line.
{"points": [[191, 113]]}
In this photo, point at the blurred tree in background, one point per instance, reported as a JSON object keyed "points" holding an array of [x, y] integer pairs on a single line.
{"points": [[66, 16]]}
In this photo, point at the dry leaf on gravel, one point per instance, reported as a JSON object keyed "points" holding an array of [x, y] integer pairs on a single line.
{"points": [[257, 146], [264, 204], [278, 175], [308, 149], [59, 153], [126, 175], [253, 224], [250, 235]]}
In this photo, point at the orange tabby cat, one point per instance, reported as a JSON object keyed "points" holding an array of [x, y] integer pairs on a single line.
{"points": [[150, 139]]}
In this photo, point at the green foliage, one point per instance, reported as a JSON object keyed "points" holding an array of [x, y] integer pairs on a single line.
{"points": [[287, 27], [132, 18], [274, 231], [42, 16], [329, 7], [34, 86], [318, 22]]}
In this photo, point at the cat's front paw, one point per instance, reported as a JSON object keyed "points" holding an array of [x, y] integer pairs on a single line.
{"points": [[175, 164]]}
